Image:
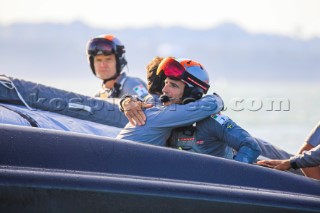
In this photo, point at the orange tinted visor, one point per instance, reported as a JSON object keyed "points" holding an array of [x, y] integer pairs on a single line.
{"points": [[173, 69]]}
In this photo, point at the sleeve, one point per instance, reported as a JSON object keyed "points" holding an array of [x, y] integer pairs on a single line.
{"points": [[68, 103], [314, 136], [236, 137], [309, 158], [176, 115], [271, 151]]}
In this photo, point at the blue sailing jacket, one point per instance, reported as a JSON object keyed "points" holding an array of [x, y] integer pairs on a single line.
{"points": [[162, 119]]}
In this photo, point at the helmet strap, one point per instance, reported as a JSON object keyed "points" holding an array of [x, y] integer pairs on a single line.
{"points": [[114, 77], [115, 91], [191, 94]]}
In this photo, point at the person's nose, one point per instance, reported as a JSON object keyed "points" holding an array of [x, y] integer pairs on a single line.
{"points": [[165, 89], [104, 64]]}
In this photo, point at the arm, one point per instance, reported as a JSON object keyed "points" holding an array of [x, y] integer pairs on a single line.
{"points": [[176, 115], [307, 159], [271, 151], [314, 137], [311, 141], [239, 139], [133, 110], [64, 102], [276, 164]]}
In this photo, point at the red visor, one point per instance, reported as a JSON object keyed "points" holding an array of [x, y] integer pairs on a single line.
{"points": [[171, 68], [102, 45], [174, 69]]}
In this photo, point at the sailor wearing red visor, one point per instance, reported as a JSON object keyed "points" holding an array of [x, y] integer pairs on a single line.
{"points": [[181, 87]]}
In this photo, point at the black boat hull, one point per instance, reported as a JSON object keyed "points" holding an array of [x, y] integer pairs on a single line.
{"points": [[46, 170]]}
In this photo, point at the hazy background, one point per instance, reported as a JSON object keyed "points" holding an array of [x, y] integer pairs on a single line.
{"points": [[254, 51]]}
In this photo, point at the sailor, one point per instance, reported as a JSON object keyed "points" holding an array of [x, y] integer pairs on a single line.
{"points": [[106, 56], [308, 158], [216, 135], [312, 141], [180, 87]]}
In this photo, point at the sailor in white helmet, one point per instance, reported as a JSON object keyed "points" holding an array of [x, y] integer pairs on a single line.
{"points": [[181, 86], [106, 56], [215, 135]]}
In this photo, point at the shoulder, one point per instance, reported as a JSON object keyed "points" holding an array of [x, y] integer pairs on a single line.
{"points": [[134, 80], [217, 120], [134, 86], [314, 136]]}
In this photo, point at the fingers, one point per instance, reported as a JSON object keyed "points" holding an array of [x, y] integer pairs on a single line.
{"points": [[136, 117], [267, 163], [134, 112], [132, 122], [263, 163], [140, 117], [145, 105], [276, 164], [128, 115]]}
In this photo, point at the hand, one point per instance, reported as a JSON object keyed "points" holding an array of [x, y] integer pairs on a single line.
{"points": [[133, 111], [276, 164]]}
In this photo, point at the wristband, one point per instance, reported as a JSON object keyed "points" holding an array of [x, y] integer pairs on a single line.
{"points": [[293, 164], [124, 98]]}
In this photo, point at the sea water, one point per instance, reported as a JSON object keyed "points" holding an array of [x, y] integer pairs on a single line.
{"points": [[285, 123]]}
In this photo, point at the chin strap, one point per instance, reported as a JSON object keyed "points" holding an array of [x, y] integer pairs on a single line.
{"points": [[115, 91], [116, 75]]}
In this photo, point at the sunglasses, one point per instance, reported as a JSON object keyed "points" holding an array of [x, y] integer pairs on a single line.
{"points": [[175, 69], [100, 46]]}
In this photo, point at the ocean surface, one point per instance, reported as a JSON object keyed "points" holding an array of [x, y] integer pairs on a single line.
{"points": [[249, 105], [286, 125]]}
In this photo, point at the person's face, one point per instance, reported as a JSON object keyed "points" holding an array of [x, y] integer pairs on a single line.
{"points": [[173, 89], [105, 66]]}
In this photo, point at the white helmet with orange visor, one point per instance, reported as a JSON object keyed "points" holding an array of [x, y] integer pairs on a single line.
{"points": [[189, 71]]}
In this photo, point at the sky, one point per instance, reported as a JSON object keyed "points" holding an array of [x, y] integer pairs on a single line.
{"points": [[295, 18]]}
